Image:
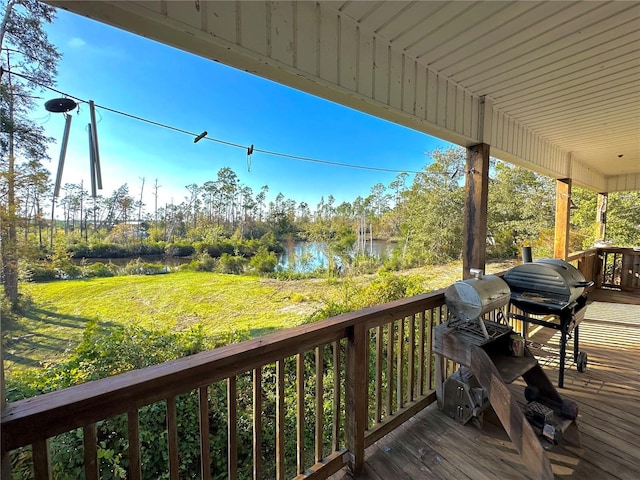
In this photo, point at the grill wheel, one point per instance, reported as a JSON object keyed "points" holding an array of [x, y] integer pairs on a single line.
{"points": [[581, 363]]}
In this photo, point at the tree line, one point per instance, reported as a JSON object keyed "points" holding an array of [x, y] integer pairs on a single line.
{"points": [[423, 214]]}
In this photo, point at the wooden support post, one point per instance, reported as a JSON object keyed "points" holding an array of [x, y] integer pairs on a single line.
{"points": [[601, 216], [563, 209], [475, 209], [356, 397]]}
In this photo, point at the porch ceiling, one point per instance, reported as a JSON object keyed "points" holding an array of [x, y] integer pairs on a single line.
{"points": [[553, 86]]}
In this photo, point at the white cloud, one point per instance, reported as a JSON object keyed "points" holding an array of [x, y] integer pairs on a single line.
{"points": [[76, 42]]}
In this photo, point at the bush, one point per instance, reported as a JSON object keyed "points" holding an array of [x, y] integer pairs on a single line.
{"points": [[40, 272], [100, 270], [138, 267], [231, 264], [263, 261]]}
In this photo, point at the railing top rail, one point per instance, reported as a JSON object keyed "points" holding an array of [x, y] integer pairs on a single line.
{"points": [[582, 253], [63, 410], [625, 250]]}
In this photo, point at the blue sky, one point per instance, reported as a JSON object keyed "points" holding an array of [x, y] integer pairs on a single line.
{"points": [[141, 77]]}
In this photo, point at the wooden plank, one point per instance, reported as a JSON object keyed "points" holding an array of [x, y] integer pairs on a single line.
{"points": [[510, 415], [328, 46], [348, 35], [411, 359], [307, 37], [41, 460], [337, 410], [398, 418], [324, 469], [133, 435], [381, 52], [319, 404], [172, 439], [257, 424], [356, 398], [366, 64], [475, 209], [232, 428], [389, 371], [400, 366], [563, 202], [205, 443], [378, 384], [280, 416], [90, 441], [300, 413], [282, 18], [421, 356]]}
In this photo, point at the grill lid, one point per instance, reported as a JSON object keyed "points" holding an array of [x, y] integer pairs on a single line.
{"points": [[470, 299], [548, 279]]}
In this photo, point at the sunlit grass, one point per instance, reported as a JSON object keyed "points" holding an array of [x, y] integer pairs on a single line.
{"points": [[225, 305]]}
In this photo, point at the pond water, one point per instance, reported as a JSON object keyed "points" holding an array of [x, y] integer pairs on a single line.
{"points": [[299, 257], [304, 257]]}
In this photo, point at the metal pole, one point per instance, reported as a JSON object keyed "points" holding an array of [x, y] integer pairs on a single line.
{"points": [[63, 153], [94, 136]]}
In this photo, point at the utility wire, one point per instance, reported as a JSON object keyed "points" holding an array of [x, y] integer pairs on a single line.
{"points": [[217, 140]]}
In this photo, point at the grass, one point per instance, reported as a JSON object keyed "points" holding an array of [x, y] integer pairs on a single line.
{"points": [[54, 320]]}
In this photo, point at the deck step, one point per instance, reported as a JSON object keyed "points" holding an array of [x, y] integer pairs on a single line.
{"points": [[510, 367]]}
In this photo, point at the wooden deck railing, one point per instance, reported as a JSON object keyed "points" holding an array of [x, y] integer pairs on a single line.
{"points": [[304, 401], [610, 267], [353, 378]]}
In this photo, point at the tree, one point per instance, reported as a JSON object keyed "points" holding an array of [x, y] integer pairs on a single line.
{"points": [[435, 206], [521, 211], [28, 61]]}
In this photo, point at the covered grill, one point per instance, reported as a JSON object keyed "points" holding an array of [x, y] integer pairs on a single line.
{"points": [[551, 293]]}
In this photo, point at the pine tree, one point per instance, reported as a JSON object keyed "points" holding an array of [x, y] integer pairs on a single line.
{"points": [[28, 61]]}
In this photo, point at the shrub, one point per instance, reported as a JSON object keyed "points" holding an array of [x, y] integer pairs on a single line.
{"points": [[263, 261], [231, 264], [40, 272], [138, 267], [100, 270]]}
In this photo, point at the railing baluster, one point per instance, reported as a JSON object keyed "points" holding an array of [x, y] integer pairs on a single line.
{"points": [[257, 423], [232, 428], [319, 403], [428, 318], [421, 346], [336, 397], [390, 341], [41, 460], [399, 369], [280, 366], [205, 444], [133, 432], [300, 413], [172, 440], [90, 441], [411, 358], [378, 393]]}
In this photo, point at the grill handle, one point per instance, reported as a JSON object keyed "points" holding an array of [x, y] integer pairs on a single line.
{"points": [[583, 284]]}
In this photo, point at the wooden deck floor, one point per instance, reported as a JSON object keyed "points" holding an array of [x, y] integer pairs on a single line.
{"points": [[433, 446]]}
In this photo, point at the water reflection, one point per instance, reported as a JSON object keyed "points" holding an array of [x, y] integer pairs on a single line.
{"points": [[304, 257]]}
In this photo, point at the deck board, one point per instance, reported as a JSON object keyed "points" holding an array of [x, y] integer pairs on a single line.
{"points": [[432, 446]]}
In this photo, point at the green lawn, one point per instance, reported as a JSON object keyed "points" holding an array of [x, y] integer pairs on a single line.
{"points": [[54, 322]]}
